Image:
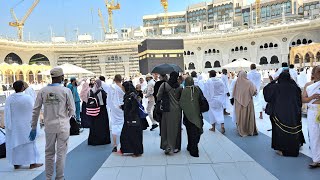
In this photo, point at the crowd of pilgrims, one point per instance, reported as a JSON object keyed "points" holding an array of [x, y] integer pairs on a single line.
{"points": [[175, 99]]}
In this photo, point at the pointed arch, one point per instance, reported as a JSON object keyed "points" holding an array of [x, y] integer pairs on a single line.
{"points": [[263, 60], [191, 66], [217, 64], [208, 65], [274, 60], [39, 59], [12, 58]]}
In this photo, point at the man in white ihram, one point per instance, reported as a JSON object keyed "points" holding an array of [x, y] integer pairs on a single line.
{"points": [[313, 119], [18, 113], [59, 107], [215, 94], [255, 77]]}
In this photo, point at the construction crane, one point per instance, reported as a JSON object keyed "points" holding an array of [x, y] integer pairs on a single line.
{"points": [[164, 3], [20, 24], [102, 21], [258, 10], [111, 6]]}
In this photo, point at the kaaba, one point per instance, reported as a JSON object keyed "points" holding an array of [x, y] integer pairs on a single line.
{"points": [[153, 52]]}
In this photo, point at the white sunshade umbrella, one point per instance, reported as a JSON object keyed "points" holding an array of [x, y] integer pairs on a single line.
{"points": [[70, 69], [240, 63]]}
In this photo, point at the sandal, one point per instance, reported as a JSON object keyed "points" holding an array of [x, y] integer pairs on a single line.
{"points": [[314, 165], [115, 149]]}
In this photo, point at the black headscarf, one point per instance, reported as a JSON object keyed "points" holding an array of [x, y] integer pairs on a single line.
{"points": [[129, 88], [173, 80], [285, 77]]}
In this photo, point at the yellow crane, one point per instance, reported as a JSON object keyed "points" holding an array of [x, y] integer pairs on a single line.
{"points": [[111, 6], [20, 24], [258, 11], [165, 4], [102, 21]]}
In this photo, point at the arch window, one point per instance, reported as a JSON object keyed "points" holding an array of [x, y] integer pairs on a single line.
{"points": [[39, 59], [274, 60], [192, 53], [293, 43], [218, 51], [39, 77], [217, 64], [209, 51], [310, 41], [12, 58], [297, 59], [208, 65], [30, 76], [298, 42], [263, 60], [241, 48], [232, 50], [245, 48], [308, 57], [205, 52], [9, 77], [236, 49], [265, 45], [191, 66], [188, 53], [214, 50], [318, 57], [185, 53], [275, 45], [271, 45], [304, 41], [261, 47], [19, 76]]}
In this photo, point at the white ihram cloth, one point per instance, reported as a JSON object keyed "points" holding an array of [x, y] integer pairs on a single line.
{"points": [[214, 92], [294, 75], [31, 92], [233, 83], [201, 82], [313, 126], [106, 87], [18, 115], [117, 116], [225, 81], [302, 79], [255, 77]]}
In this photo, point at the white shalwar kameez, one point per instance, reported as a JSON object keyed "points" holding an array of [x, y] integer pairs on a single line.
{"points": [[214, 92], [313, 126], [18, 115], [255, 77], [116, 113]]}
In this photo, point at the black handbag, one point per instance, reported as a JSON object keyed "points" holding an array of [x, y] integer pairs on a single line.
{"points": [[74, 127], [2, 148], [165, 100], [204, 105]]}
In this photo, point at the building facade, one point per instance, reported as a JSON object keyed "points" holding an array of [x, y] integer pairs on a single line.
{"points": [[225, 14]]}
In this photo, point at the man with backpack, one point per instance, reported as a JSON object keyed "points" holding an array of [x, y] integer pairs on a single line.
{"points": [[73, 87], [59, 107]]}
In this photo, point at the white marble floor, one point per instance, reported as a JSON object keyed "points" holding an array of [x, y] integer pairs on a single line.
{"points": [[219, 159], [7, 172]]}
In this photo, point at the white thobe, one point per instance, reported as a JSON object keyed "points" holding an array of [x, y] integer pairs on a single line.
{"points": [[201, 82], [277, 74], [31, 92], [116, 113], [106, 87], [18, 115], [214, 92], [225, 81], [255, 77], [313, 126], [294, 74]]}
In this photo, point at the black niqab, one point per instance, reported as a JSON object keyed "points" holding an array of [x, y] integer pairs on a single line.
{"points": [[173, 80]]}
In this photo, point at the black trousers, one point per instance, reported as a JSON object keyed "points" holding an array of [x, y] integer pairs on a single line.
{"points": [[194, 135]]}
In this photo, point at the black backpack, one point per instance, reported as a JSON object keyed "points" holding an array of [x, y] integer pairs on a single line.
{"points": [[2, 148], [93, 108], [74, 127]]}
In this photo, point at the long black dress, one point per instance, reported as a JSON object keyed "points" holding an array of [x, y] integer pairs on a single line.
{"points": [[284, 101], [131, 135], [99, 129]]}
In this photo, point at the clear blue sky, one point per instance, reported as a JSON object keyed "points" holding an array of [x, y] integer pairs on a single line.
{"points": [[67, 15]]}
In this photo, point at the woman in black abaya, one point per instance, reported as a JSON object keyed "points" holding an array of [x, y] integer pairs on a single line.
{"points": [[131, 136], [284, 106]]}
